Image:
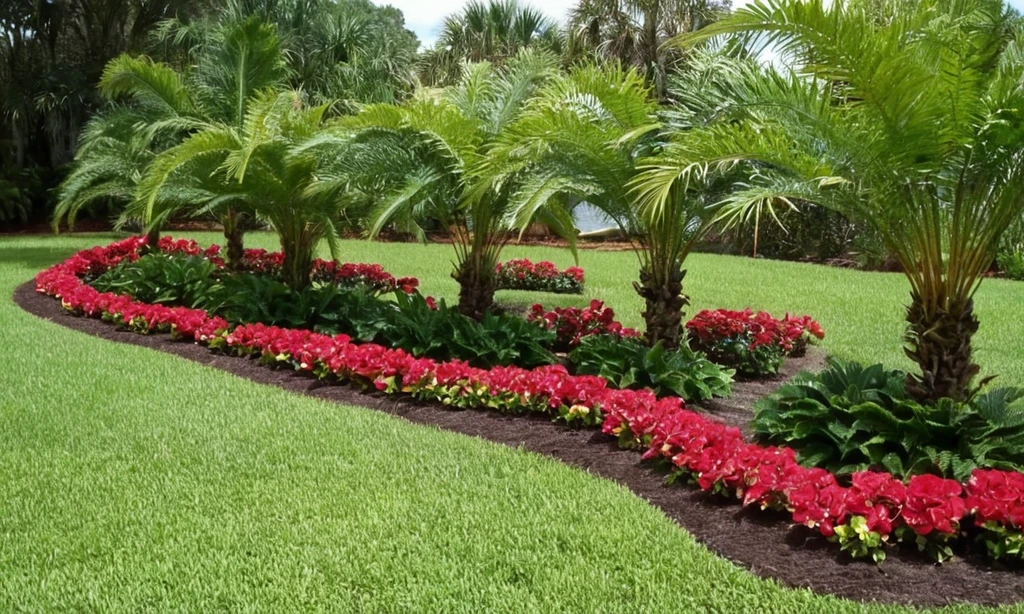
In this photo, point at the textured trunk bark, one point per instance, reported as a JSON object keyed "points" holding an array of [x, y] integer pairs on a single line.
{"points": [[940, 344], [297, 265], [234, 239], [476, 289], [663, 307]]}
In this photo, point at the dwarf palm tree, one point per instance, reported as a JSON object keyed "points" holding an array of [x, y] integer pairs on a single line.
{"points": [[238, 61], [268, 167], [912, 123], [424, 156], [491, 32], [582, 136]]}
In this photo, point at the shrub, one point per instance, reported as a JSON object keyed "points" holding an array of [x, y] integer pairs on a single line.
{"points": [[167, 279], [571, 324], [753, 343], [325, 308], [522, 274], [627, 362], [850, 418], [1011, 262], [438, 331]]}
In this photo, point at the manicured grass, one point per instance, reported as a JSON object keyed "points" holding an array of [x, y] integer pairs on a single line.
{"points": [[134, 480]]}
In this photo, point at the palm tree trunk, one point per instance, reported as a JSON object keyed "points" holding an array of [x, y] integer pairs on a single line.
{"points": [[476, 287], [153, 238], [234, 238], [663, 306], [940, 343], [298, 264]]}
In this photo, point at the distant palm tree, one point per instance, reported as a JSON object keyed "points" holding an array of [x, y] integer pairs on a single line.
{"points": [[911, 122], [491, 32], [634, 32]]}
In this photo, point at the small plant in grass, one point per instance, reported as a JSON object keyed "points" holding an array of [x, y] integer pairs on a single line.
{"points": [[523, 274]]}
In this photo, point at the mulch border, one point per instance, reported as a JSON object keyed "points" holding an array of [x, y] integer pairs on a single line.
{"points": [[764, 543]]}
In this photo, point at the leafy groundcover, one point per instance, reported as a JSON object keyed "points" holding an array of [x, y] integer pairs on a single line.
{"points": [[864, 513]]}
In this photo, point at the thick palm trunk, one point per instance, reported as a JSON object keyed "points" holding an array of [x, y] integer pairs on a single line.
{"points": [[298, 264], [476, 288], [940, 343], [234, 238], [663, 306], [153, 238]]}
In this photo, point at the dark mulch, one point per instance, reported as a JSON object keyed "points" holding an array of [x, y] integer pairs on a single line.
{"points": [[762, 542]]}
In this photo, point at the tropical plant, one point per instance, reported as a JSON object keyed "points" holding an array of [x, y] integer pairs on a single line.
{"points": [[168, 279], [582, 136], [267, 167], [168, 109], [425, 156], [633, 32], [492, 32], [626, 362], [909, 121], [850, 418]]}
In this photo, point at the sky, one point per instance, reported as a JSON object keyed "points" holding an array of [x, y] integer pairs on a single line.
{"points": [[424, 17]]}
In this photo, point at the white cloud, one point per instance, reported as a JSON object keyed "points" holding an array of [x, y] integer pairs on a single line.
{"points": [[424, 17]]}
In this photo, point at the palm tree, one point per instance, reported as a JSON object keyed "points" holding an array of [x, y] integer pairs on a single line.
{"points": [[424, 155], [239, 60], [491, 32], [582, 136], [634, 32], [910, 121], [268, 167]]}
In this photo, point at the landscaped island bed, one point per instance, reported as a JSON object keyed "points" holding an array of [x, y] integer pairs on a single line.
{"points": [[713, 455]]}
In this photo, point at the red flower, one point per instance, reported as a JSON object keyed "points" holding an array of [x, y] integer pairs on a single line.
{"points": [[934, 504]]}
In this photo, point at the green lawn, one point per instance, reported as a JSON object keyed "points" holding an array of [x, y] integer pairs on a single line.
{"points": [[134, 480]]}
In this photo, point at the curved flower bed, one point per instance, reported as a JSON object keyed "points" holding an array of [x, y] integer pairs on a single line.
{"points": [[524, 274], [862, 516]]}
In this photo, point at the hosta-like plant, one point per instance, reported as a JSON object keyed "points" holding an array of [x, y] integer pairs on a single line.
{"points": [[850, 418], [626, 362]]}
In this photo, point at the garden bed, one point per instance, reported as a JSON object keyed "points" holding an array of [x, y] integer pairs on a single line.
{"points": [[766, 543]]}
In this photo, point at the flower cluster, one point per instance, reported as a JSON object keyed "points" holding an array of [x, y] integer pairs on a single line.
{"points": [[755, 343], [372, 276], [862, 516], [523, 274], [996, 499], [188, 247], [354, 274], [572, 323]]}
